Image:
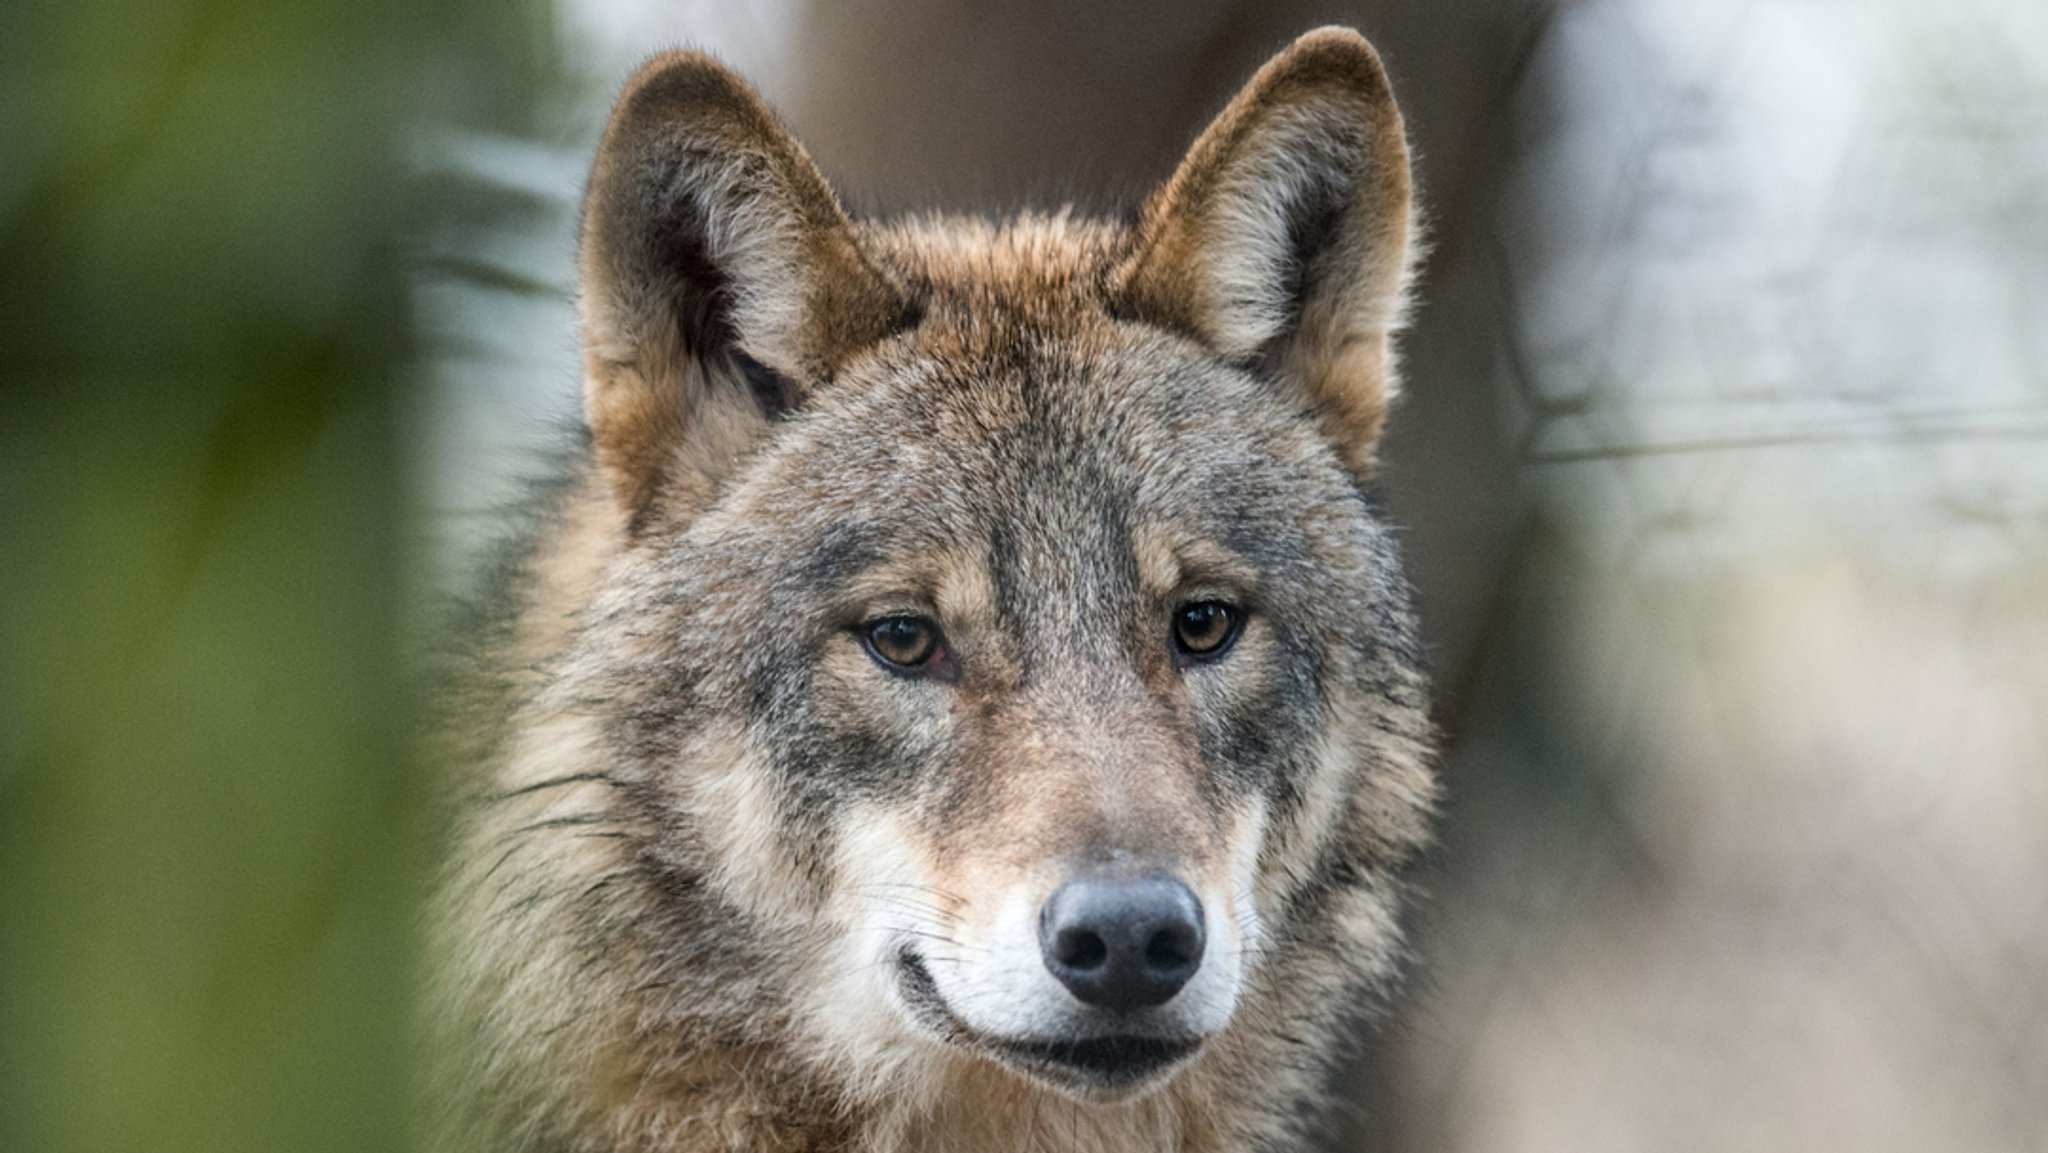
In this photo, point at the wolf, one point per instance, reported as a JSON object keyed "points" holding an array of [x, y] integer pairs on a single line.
{"points": [[963, 695]]}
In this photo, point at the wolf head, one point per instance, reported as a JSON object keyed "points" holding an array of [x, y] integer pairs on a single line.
{"points": [[995, 661]]}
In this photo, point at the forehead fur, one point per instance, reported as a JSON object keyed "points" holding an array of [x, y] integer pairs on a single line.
{"points": [[1021, 388], [1021, 393], [1023, 339], [1042, 269]]}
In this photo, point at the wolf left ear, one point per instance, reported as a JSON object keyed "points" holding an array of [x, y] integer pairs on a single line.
{"points": [[721, 280], [1283, 240]]}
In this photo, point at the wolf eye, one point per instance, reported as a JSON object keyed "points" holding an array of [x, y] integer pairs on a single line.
{"points": [[1203, 631], [904, 643]]}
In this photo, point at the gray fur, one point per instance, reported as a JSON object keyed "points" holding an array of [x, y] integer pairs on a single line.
{"points": [[656, 929]]}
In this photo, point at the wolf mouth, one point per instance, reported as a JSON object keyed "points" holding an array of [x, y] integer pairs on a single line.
{"points": [[1114, 1062]]}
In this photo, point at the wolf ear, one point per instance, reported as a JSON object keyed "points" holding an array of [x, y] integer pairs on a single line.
{"points": [[1283, 240], [721, 281]]}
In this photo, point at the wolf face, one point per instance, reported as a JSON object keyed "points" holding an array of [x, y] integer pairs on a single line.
{"points": [[971, 658]]}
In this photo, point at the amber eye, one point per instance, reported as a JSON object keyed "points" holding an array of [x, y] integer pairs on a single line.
{"points": [[902, 643], [1203, 630]]}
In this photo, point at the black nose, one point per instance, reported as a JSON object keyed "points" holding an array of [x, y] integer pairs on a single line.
{"points": [[1122, 945]]}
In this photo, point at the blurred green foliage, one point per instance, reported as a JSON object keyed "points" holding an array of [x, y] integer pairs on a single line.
{"points": [[209, 821]]}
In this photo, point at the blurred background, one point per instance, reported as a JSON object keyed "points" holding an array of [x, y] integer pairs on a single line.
{"points": [[1724, 466]]}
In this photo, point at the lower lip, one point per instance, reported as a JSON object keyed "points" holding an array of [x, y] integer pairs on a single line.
{"points": [[1105, 1062], [1099, 1062]]}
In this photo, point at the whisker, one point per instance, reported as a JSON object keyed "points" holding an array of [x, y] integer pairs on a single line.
{"points": [[913, 886], [553, 783], [572, 820]]}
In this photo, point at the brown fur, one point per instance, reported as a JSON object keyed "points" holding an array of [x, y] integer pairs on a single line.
{"points": [[704, 827]]}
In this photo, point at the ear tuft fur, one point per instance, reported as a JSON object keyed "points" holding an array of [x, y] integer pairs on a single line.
{"points": [[1284, 239], [721, 279]]}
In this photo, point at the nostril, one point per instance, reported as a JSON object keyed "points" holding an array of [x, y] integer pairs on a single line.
{"points": [[1080, 949], [1173, 946]]}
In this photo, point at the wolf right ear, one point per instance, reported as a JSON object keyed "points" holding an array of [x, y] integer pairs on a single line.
{"points": [[1283, 240], [721, 280]]}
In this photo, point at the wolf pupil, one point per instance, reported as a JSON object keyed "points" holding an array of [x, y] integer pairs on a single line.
{"points": [[903, 641], [1202, 630]]}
